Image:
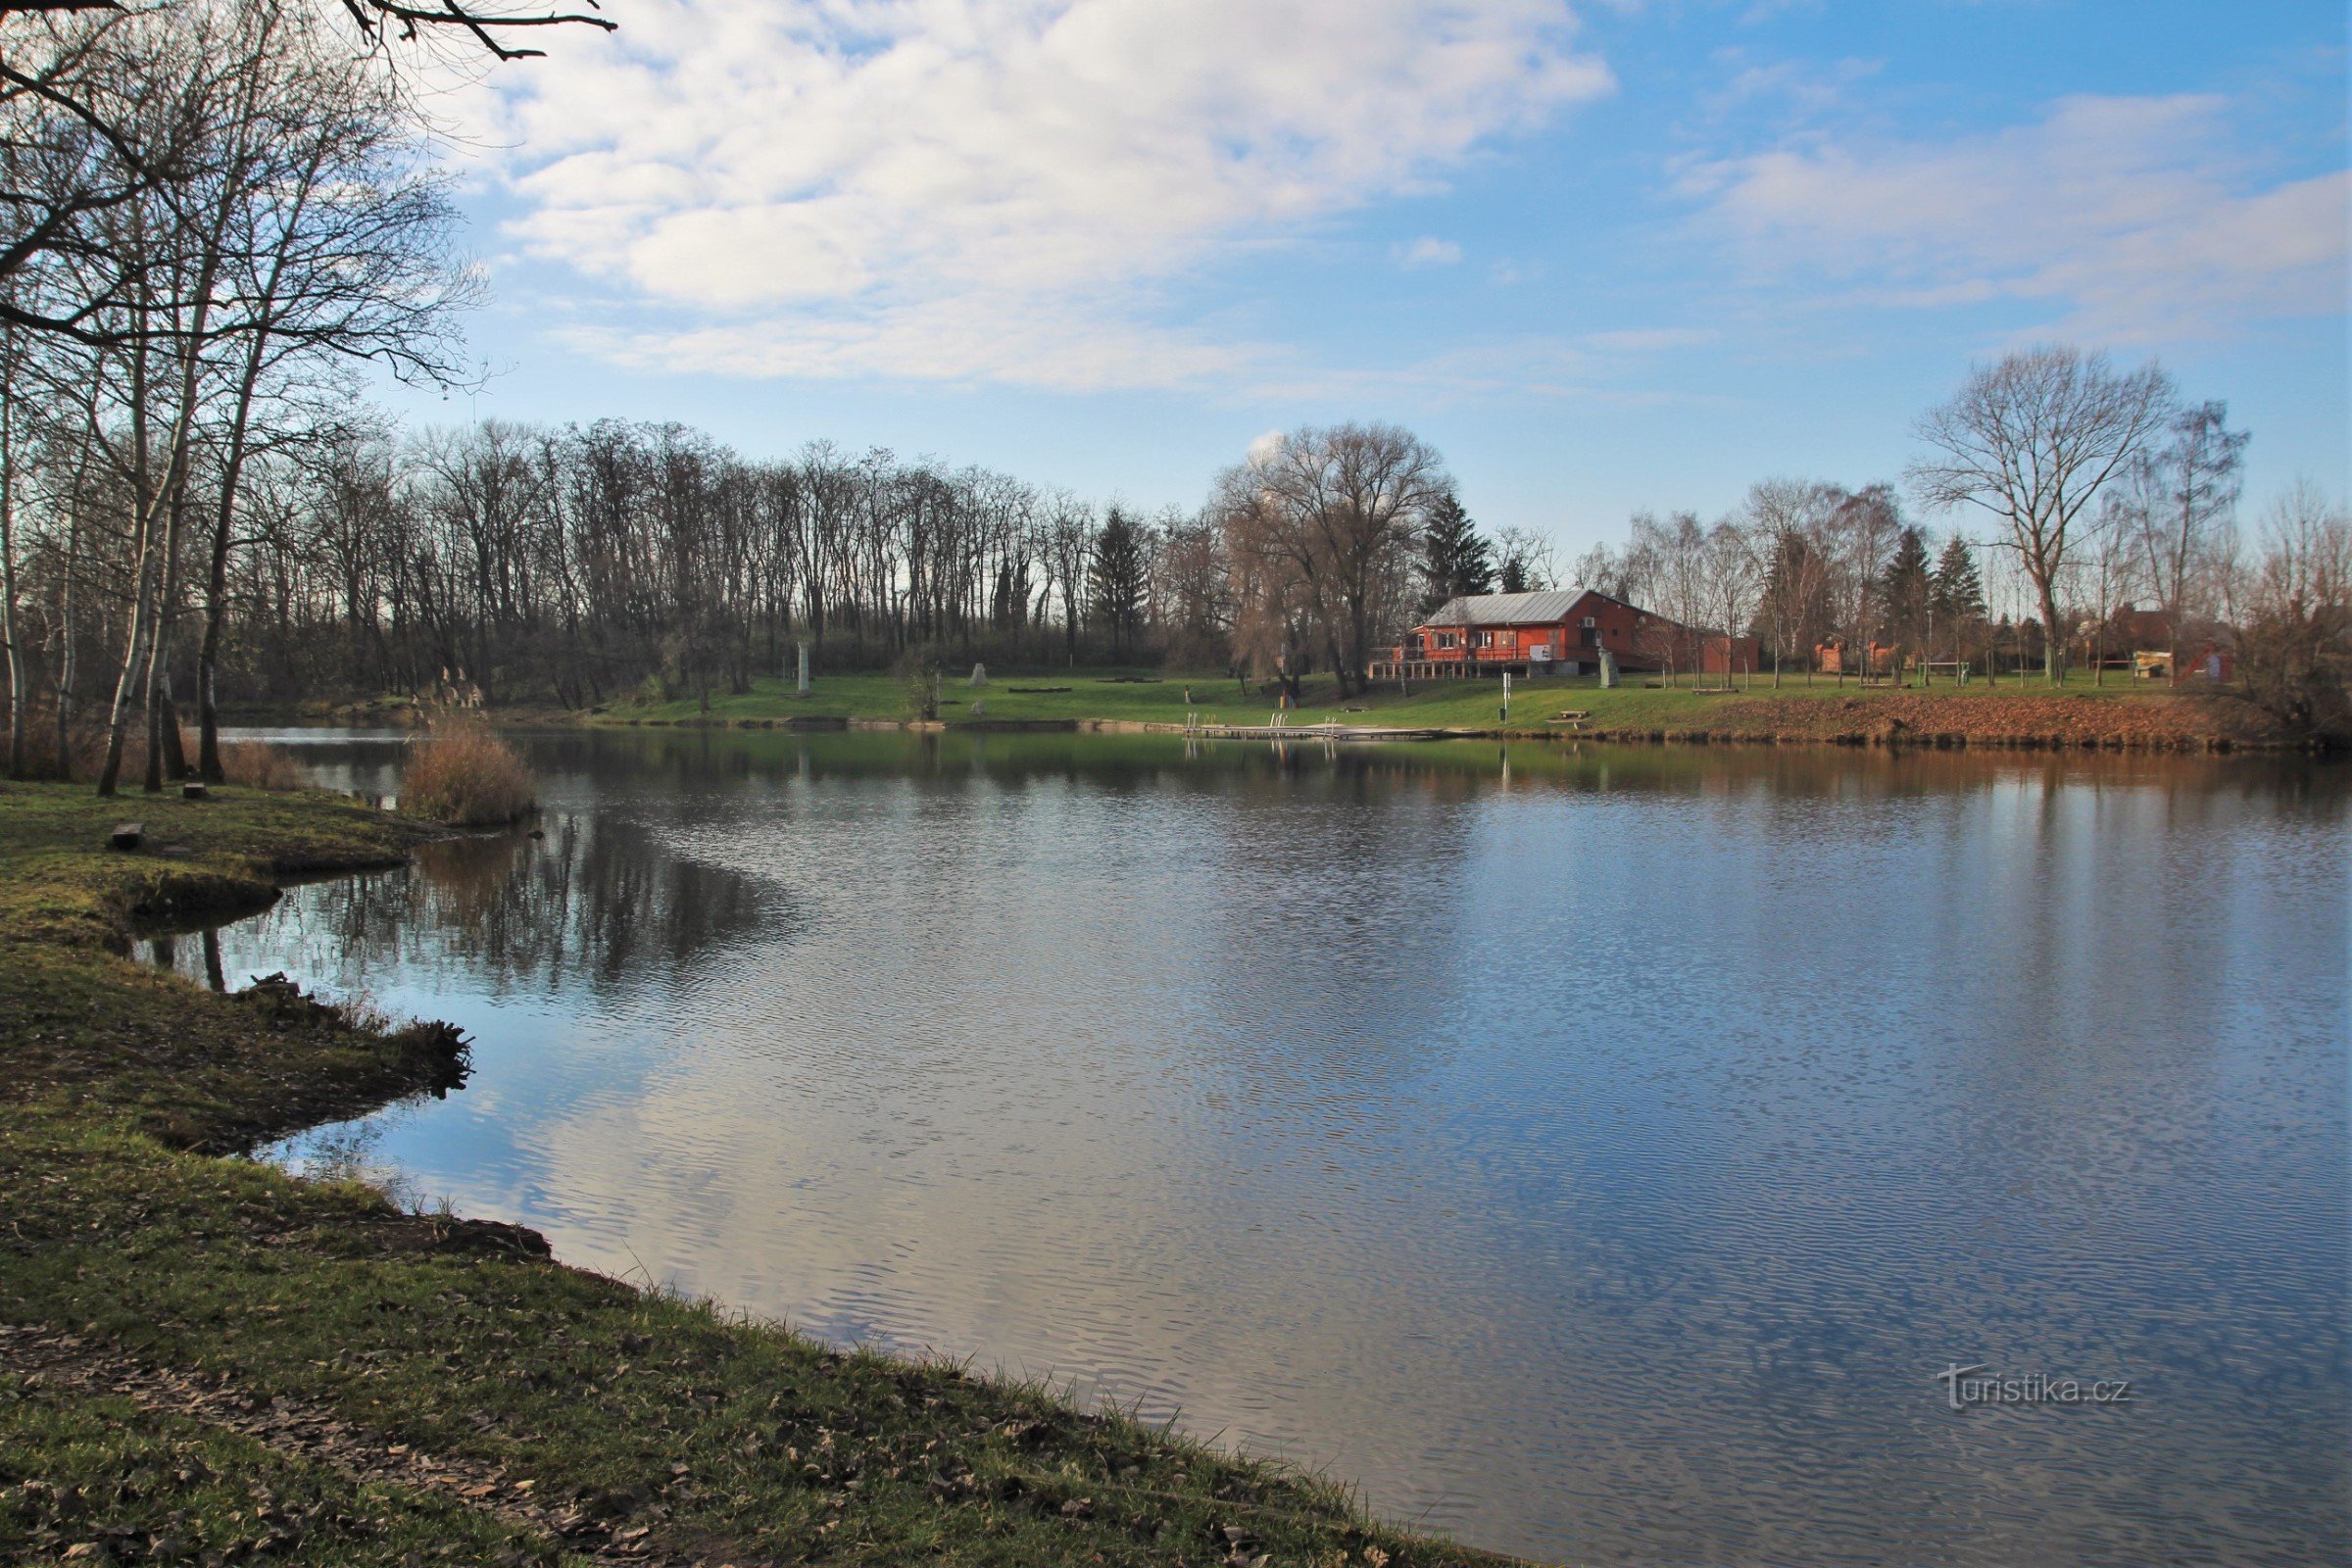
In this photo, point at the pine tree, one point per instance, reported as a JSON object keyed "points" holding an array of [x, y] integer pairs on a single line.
{"points": [[1957, 592], [1904, 591], [1454, 559], [1119, 573]]}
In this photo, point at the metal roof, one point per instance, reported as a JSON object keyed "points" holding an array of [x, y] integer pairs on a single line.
{"points": [[1504, 610]]}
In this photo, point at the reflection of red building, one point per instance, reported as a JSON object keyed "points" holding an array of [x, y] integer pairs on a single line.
{"points": [[1562, 632]]}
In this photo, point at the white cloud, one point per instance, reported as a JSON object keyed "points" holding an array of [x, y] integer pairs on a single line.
{"points": [[1427, 251], [992, 189], [2125, 219]]}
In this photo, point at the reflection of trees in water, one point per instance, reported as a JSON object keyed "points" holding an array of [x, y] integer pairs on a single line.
{"points": [[595, 899], [694, 760]]}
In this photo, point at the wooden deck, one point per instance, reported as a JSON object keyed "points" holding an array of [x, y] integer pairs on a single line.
{"points": [[1276, 728]]}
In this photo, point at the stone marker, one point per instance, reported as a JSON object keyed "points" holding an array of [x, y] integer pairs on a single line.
{"points": [[979, 674], [127, 835], [194, 791]]}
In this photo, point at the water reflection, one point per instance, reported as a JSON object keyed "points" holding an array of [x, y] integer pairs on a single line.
{"points": [[580, 902], [1596, 1152]]}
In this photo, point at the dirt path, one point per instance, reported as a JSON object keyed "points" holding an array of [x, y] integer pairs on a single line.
{"points": [[300, 1431]]}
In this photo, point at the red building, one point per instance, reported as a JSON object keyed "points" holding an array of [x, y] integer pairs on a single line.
{"points": [[1833, 656], [1561, 632]]}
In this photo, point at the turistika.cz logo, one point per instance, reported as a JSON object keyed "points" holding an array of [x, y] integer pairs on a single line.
{"points": [[1965, 1387]]}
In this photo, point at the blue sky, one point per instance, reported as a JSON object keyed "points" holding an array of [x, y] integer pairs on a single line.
{"points": [[1603, 256]]}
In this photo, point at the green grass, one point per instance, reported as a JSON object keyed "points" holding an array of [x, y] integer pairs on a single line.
{"points": [[60, 881], [82, 1469], [719, 1439], [1635, 708]]}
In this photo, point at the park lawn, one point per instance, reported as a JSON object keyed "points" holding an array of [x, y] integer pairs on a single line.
{"points": [[336, 1367], [1637, 707]]}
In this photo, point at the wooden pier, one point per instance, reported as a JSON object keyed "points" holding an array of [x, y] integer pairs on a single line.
{"points": [[1278, 728]]}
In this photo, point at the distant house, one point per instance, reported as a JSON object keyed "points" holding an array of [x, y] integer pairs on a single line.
{"points": [[1560, 632], [2211, 662], [1833, 655], [2130, 627]]}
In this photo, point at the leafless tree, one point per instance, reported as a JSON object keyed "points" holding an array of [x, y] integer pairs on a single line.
{"points": [[1730, 575], [1341, 510], [2106, 574], [1525, 561], [2032, 440], [1787, 523], [2181, 498], [2295, 648]]}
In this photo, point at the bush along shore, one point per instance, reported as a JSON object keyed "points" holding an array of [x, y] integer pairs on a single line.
{"points": [[2116, 715], [204, 1359]]}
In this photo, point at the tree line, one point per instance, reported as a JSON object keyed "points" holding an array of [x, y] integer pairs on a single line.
{"points": [[222, 210]]}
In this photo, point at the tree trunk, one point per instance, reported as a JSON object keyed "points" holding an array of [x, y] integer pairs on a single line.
{"points": [[12, 631], [165, 757], [67, 654], [19, 699], [118, 712], [216, 604], [2050, 653]]}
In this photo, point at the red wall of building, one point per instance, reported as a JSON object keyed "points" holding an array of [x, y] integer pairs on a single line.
{"points": [[1621, 628]]}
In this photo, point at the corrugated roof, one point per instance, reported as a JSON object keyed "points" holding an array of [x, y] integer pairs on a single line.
{"points": [[1504, 610]]}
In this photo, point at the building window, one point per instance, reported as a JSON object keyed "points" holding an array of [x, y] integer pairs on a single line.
{"points": [[1589, 621]]}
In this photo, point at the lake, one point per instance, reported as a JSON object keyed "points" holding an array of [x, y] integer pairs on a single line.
{"points": [[1598, 1153]]}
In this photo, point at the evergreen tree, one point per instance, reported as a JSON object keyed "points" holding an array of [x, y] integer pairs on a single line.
{"points": [[1905, 590], [1118, 579], [1454, 559], [1957, 592]]}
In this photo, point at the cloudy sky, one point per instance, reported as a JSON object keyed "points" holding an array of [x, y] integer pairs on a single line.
{"points": [[1603, 255]]}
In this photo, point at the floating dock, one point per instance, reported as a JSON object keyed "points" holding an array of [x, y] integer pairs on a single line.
{"points": [[1329, 730]]}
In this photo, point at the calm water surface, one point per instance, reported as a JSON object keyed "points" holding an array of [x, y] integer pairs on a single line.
{"points": [[1596, 1154]]}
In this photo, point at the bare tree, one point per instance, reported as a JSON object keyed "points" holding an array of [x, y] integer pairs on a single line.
{"points": [[1069, 546], [2295, 648], [1525, 561], [338, 249], [1344, 508], [2032, 440], [2181, 498], [2106, 574], [1730, 573], [1788, 524]]}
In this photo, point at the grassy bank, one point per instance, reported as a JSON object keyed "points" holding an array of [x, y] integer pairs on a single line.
{"points": [[204, 1359], [2079, 714]]}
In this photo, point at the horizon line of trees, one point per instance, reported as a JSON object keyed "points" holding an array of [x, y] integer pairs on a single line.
{"points": [[506, 563]]}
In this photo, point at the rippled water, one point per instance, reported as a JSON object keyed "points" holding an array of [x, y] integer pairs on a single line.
{"points": [[1596, 1154]]}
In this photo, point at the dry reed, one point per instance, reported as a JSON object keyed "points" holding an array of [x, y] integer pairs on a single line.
{"points": [[461, 774]]}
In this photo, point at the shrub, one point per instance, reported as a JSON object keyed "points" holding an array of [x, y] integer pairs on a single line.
{"points": [[258, 766], [2295, 652], [917, 671], [85, 746], [461, 774]]}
